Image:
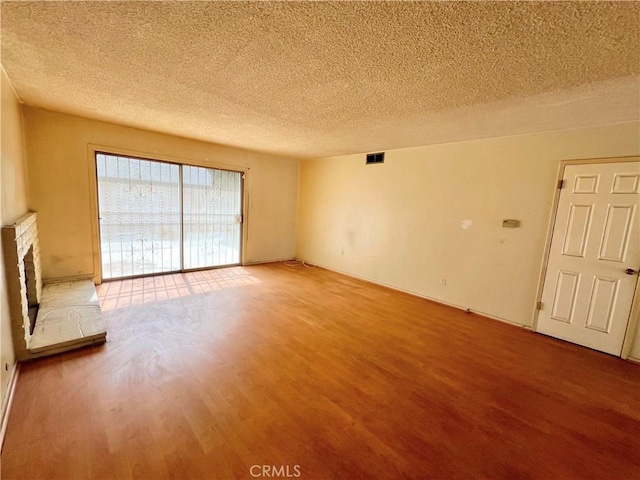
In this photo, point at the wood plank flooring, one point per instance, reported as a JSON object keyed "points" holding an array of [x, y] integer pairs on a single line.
{"points": [[283, 367]]}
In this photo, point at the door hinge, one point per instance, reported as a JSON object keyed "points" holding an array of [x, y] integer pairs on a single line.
{"points": [[539, 306], [560, 184]]}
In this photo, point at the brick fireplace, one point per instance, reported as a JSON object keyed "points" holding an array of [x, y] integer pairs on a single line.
{"points": [[21, 249], [46, 319]]}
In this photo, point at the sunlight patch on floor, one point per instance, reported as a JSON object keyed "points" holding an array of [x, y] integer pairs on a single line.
{"points": [[125, 293]]}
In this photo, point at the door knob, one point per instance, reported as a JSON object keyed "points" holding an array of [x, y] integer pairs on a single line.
{"points": [[630, 271]]}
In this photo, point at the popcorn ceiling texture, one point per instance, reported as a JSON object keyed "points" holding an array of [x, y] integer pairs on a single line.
{"points": [[316, 79]]}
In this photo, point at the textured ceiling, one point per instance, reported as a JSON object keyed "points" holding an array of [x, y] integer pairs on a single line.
{"points": [[328, 78]]}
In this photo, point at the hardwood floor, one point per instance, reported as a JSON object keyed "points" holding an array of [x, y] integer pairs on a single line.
{"points": [[208, 374]]}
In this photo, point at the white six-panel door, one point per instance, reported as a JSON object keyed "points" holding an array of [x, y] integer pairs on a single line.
{"points": [[595, 256]]}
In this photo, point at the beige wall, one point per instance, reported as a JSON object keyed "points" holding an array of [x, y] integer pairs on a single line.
{"points": [[13, 204], [403, 223], [59, 169]]}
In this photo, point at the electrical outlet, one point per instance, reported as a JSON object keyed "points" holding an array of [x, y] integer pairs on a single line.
{"points": [[443, 282]]}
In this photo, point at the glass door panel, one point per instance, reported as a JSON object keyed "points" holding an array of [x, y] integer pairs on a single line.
{"points": [[212, 206], [140, 214]]}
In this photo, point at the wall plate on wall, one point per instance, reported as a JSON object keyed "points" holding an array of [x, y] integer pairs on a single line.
{"points": [[511, 223]]}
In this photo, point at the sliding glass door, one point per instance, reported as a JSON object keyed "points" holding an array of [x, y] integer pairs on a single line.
{"points": [[158, 217]]}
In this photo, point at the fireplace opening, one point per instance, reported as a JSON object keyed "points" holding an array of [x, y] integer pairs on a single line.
{"points": [[30, 288]]}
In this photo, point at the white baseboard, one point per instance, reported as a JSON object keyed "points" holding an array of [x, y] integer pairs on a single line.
{"points": [[73, 278], [8, 401], [416, 294], [262, 262]]}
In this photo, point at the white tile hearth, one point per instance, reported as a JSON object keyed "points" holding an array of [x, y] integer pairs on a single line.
{"points": [[69, 317]]}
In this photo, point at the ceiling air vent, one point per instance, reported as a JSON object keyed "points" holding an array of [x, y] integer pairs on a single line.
{"points": [[375, 158]]}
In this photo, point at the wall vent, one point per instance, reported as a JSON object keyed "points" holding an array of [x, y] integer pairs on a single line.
{"points": [[375, 158]]}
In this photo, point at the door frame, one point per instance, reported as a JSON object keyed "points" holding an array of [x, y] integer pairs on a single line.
{"points": [[634, 316], [93, 149]]}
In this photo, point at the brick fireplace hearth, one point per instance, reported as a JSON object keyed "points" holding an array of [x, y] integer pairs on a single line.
{"points": [[45, 319], [21, 248]]}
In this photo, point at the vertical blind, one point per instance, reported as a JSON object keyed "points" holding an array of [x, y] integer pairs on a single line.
{"points": [[158, 217]]}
